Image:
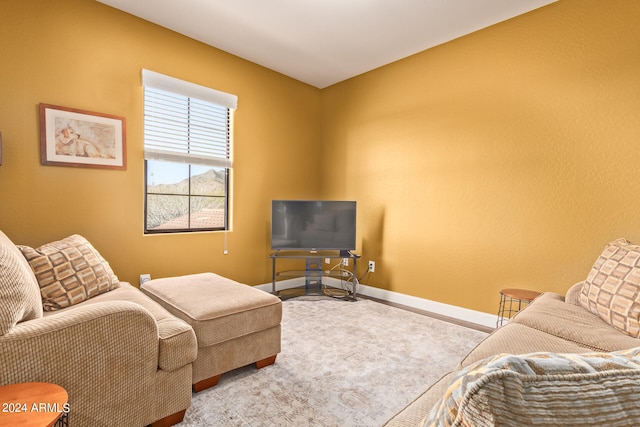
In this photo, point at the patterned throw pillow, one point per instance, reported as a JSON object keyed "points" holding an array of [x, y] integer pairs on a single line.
{"points": [[546, 389], [612, 288], [69, 271]]}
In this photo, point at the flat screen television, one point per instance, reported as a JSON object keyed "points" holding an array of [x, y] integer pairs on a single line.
{"points": [[313, 225]]}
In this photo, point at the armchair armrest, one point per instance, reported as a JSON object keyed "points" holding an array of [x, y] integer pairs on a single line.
{"points": [[178, 344], [104, 354]]}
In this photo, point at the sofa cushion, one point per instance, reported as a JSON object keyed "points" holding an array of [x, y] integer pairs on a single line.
{"points": [[19, 295], [540, 389], [69, 271], [126, 292], [550, 314], [519, 339], [612, 288]]}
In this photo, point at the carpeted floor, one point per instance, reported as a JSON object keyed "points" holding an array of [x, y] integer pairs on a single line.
{"points": [[342, 364]]}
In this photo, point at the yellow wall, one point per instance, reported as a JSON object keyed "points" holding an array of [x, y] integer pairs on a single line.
{"points": [[506, 158], [83, 54]]}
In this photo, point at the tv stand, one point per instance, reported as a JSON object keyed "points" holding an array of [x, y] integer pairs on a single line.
{"points": [[315, 270], [345, 253]]}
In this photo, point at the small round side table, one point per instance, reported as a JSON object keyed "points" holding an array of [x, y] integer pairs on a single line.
{"points": [[33, 405], [512, 301]]}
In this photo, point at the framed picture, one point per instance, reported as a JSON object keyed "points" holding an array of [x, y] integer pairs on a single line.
{"points": [[77, 138]]}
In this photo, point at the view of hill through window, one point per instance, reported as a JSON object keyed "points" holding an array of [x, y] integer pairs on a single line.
{"points": [[195, 201]]}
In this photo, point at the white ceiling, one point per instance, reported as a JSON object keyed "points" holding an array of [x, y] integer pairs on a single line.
{"points": [[322, 42]]}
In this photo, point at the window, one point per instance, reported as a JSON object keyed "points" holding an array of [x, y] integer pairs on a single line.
{"points": [[187, 152]]}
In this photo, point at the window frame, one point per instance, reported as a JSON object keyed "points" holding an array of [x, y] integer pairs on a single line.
{"points": [[189, 91], [189, 195]]}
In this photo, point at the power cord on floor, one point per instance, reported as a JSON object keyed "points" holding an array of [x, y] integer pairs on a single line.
{"points": [[347, 279]]}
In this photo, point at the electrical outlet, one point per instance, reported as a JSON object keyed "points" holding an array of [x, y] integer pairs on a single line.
{"points": [[327, 260], [345, 262], [372, 266]]}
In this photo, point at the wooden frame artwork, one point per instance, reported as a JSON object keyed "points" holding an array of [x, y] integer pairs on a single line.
{"points": [[77, 138]]}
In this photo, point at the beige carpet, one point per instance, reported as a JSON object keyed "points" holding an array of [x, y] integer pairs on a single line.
{"points": [[342, 364]]}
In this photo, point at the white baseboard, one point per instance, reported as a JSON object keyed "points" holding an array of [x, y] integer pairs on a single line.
{"points": [[460, 313]]}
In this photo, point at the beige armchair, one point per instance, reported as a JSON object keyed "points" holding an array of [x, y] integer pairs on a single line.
{"points": [[122, 358]]}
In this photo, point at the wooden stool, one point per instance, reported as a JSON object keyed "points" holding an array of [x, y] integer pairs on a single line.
{"points": [[512, 301]]}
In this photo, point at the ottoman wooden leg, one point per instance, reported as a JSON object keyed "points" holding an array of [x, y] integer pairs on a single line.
{"points": [[266, 362], [209, 382]]}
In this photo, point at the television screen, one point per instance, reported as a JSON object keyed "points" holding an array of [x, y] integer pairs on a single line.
{"points": [[313, 225]]}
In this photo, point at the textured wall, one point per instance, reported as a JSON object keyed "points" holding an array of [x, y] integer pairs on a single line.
{"points": [[83, 54], [506, 158]]}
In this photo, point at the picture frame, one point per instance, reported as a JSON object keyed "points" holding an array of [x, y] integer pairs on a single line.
{"points": [[78, 138]]}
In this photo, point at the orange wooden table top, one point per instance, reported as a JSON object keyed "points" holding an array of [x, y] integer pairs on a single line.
{"points": [[522, 294], [32, 404]]}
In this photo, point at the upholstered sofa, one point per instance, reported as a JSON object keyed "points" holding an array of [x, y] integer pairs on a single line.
{"points": [[563, 360], [122, 358]]}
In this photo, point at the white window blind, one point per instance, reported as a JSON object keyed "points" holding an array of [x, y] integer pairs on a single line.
{"points": [[185, 122]]}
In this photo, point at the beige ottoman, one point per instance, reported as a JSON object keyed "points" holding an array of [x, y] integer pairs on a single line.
{"points": [[235, 324]]}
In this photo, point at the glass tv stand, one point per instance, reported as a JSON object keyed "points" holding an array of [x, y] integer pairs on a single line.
{"points": [[315, 269]]}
